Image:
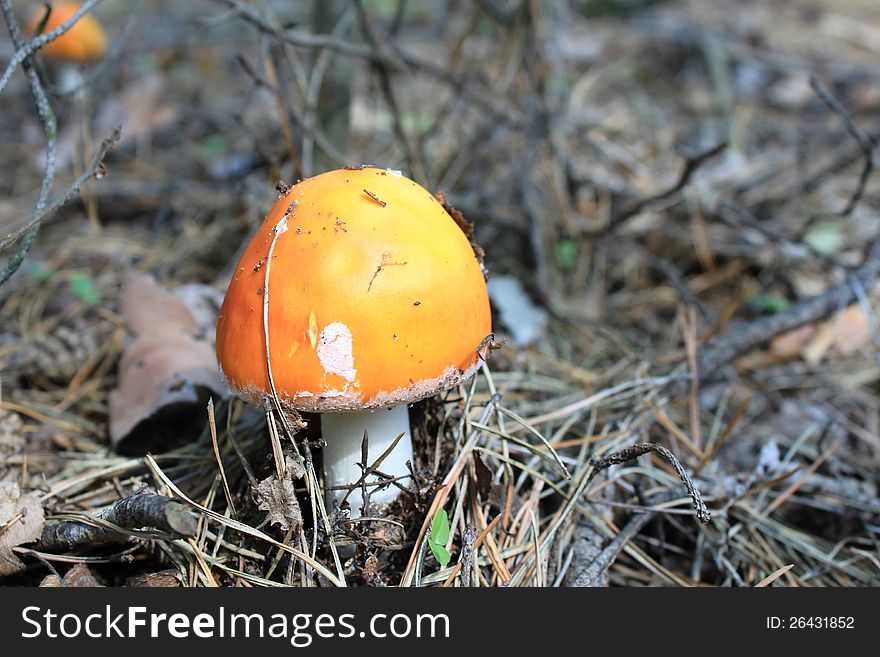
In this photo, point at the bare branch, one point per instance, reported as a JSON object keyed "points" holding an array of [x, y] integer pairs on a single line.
{"points": [[744, 336], [640, 449], [50, 128], [691, 165], [94, 170]]}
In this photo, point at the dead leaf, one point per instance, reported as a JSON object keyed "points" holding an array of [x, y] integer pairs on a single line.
{"points": [[484, 478], [791, 344], [165, 376], [162, 579], [21, 521], [50, 582], [278, 498], [820, 344], [77, 577], [844, 334], [204, 302], [852, 330], [148, 308], [164, 385], [295, 466]]}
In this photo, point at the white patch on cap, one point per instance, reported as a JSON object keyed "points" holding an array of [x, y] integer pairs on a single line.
{"points": [[335, 351]]}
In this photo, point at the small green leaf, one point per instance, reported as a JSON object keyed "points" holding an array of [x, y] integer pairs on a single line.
{"points": [[416, 122], [40, 272], [440, 554], [214, 145], [84, 289], [767, 303], [566, 253], [440, 528]]}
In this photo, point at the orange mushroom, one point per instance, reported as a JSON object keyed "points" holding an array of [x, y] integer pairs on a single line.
{"points": [[83, 42], [358, 295]]}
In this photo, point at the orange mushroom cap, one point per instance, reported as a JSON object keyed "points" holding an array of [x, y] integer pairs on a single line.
{"points": [[84, 41], [376, 297]]}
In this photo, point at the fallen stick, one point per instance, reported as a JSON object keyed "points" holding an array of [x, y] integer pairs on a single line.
{"points": [[135, 512], [745, 336]]}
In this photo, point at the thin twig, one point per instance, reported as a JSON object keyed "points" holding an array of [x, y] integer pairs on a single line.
{"points": [[866, 143], [640, 449], [691, 165], [373, 468], [94, 170], [50, 128]]}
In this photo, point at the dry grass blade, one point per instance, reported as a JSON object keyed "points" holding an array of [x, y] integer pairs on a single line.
{"points": [[477, 544], [241, 527], [562, 469], [213, 426], [280, 467], [793, 488]]}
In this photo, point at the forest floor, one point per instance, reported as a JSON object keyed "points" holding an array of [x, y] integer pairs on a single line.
{"points": [[682, 229]]}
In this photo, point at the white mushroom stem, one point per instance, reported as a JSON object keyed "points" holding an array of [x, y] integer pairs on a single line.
{"points": [[344, 434], [70, 78]]}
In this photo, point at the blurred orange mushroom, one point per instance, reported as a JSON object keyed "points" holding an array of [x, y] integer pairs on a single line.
{"points": [[358, 295], [83, 42]]}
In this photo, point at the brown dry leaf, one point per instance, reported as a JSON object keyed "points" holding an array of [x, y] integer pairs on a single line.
{"points": [[820, 344], [21, 521], [77, 577], [852, 330], [149, 308], [164, 385], [791, 344], [204, 302], [844, 334], [484, 478], [278, 498], [50, 582], [161, 580], [165, 376]]}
